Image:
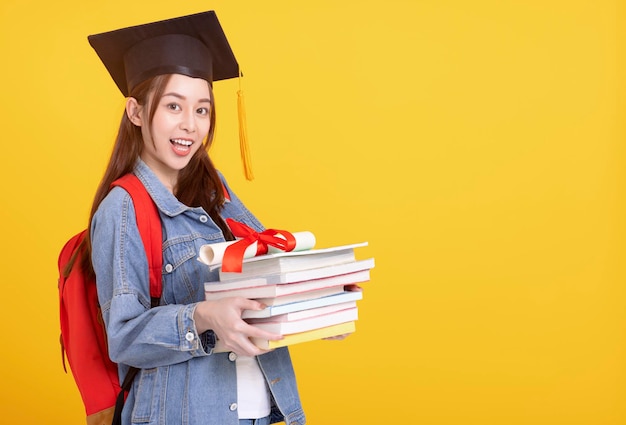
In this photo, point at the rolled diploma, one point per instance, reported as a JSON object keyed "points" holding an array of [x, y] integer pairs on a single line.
{"points": [[212, 254]]}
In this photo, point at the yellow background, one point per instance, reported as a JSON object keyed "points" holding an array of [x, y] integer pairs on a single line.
{"points": [[476, 145]]}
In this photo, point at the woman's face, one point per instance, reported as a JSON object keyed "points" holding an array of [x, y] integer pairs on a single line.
{"points": [[181, 123]]}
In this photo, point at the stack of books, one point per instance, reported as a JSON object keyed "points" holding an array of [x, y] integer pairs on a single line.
{"points": [[307, 293]]}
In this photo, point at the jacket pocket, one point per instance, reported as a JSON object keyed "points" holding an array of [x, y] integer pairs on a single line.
{"points": [[180, 271], [145, 402]]}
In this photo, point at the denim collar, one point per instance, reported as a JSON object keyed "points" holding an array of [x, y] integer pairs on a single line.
{"points": [[165, 201]]}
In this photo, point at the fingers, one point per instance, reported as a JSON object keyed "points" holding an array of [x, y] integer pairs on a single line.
{"points": [[240, 345], [224, 318], [240, 341], [254, 332], [353, 288], [253, 305], [337, 337]]}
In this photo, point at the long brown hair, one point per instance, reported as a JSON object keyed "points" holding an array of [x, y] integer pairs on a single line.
{"points": [[198, 183]]}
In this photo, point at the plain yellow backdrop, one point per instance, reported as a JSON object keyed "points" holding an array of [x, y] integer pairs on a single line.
{"points": [[476, 145]]}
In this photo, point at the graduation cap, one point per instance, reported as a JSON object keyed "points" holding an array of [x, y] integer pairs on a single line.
{"points": [[193, 45]]}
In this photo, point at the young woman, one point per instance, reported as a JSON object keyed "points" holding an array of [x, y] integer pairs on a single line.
{"points": [[166, 70]]}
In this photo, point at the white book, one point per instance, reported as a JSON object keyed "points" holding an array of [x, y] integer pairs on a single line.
{"points": [[291, 277], [293, 288], [275, 310], [305, 314], [301, 296], [283, 262], [286, 328]]}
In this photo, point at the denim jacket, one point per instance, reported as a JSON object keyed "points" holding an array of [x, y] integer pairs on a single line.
{"points": [[181, 380]]}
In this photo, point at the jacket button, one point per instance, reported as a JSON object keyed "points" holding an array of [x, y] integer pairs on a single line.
{"points": [[169, 268], [203, 219], [233, 407], [189, 336], [232, 356]]}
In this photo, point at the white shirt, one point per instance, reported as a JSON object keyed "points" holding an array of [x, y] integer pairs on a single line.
{"points": [[253, 396]]}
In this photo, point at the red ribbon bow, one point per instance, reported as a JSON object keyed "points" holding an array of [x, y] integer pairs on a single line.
{"points": [[233, 255]]}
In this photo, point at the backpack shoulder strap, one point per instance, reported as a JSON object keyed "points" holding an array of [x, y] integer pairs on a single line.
{"points": [[149, 225]]}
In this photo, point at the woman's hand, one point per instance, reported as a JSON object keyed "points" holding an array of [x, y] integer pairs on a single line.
{"points": [[224, 318]]}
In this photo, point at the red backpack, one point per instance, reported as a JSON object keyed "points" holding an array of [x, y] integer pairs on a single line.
{"points": [[83, 336]]}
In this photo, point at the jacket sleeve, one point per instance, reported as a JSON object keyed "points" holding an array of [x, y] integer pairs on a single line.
{"points": [[138, 335]]}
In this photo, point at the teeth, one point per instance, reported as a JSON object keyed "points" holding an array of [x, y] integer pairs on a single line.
{"points": [[182, 142]]}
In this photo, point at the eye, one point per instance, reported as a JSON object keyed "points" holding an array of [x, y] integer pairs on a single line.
{"points": [[173, 106], [203, 111]]}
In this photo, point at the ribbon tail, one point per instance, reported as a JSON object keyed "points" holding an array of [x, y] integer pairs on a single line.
{"points": [[233, 256]]}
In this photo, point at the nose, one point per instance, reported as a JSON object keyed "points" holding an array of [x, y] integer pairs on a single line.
{"points": [[188, 122]]}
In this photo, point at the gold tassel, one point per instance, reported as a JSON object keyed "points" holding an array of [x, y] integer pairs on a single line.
{"points": [[243, 133]]}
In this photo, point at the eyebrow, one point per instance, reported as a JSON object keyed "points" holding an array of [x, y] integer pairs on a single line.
{"points": [[180, 96]]}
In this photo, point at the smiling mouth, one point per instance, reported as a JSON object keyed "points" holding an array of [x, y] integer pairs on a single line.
{"points": [[181, 142], [181, 147]]}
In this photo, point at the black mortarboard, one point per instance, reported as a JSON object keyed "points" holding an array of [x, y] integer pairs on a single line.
{"points": [[193, 45]]}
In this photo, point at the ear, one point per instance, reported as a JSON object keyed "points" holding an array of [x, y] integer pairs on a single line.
{"points": [[133, 111]]}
